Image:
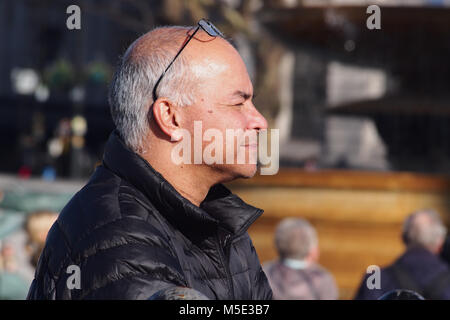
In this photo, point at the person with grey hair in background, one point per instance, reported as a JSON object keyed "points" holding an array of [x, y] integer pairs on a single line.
{"points": [[296, 275], [419, 268]]}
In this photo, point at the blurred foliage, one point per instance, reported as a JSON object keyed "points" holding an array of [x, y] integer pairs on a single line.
{"points": [[98, 72], [60, 75], [63, 76]]}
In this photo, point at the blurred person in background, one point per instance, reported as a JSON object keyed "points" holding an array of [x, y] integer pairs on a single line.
{"points": [[145, 223], [420, 267], [296, 275], [13, 286], [37, 226], [19, 254]]}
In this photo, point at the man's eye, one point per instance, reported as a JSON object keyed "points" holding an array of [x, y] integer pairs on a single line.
{"points": [[238, 104]]}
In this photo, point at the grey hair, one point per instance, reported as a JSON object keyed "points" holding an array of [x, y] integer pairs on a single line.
{"points": [[130, 93], [295, 238], [423, 228]]}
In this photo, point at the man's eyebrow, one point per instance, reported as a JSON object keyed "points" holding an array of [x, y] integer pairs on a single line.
{"points": [[243, 94]]}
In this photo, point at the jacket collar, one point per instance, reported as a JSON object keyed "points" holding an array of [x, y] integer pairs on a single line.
{"points": [[221, 208]]}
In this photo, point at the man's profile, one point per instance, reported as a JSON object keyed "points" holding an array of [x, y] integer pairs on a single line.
{"points": [[144, 223]]}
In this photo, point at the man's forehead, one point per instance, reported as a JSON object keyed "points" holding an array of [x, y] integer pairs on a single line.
{"points": [[208, 67], [222, 64]]}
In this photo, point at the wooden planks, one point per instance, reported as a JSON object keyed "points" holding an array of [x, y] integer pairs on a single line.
{"points": [[358, 215]]}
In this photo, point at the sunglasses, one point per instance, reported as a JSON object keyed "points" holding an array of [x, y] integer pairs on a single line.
{"points": [[209, 28]]}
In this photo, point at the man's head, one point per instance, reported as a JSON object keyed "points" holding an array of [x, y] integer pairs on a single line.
{"points": [[424, 229], [296, 238], [208, 83]]}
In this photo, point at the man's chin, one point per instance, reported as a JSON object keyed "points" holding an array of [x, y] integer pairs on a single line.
{"points": [[233, 172], [247, 171]]}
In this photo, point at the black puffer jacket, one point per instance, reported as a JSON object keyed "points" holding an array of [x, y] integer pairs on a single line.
{"points": [[132, 234]]}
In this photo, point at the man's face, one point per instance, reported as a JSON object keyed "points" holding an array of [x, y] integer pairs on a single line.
{"points": [[224, 105]]}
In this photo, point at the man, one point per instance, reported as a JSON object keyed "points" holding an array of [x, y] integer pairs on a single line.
{"points": [[297, 275], [420, 268], [145, 223]]}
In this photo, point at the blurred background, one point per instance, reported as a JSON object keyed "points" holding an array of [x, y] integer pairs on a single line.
{"points": [[363, 116]]}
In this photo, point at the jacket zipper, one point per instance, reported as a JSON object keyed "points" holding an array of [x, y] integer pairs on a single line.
{"points": [[227, 269]]}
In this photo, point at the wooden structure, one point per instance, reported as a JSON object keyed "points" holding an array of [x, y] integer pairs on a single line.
{"points": [[358, 215]]}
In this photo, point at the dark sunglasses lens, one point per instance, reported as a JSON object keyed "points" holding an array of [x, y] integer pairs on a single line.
{"points": [[210, 28]]}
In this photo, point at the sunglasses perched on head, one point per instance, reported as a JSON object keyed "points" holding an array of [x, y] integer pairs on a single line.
{"points": [[204, 24]]}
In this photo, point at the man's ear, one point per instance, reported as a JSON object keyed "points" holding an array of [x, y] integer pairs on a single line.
{"points": [[166, 117]]}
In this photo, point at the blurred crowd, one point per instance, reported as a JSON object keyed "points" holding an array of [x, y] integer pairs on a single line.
{"points": [[19, 254]]}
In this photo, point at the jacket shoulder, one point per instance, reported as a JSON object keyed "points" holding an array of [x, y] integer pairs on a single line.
{"points": [[105, 200], [106, 222]]}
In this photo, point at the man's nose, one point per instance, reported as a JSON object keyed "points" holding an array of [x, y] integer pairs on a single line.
{"points": [[256, 120]]}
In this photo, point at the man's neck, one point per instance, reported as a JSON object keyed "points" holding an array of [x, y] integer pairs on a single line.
{"points": [[191, 186], [191, 181]]}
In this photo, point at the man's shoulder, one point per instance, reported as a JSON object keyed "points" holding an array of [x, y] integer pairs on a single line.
{"points": [[106, 217], [106, 204]]}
